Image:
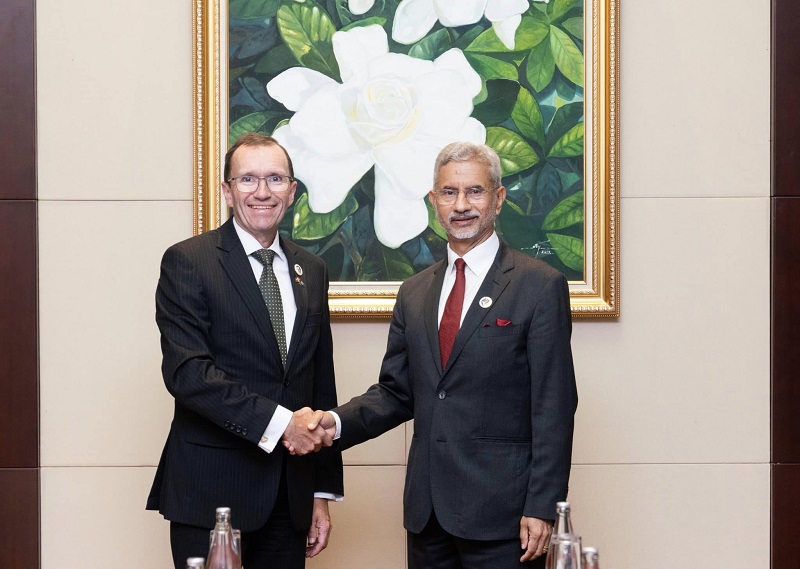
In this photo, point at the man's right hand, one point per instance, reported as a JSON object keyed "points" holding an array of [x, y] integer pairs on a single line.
{"points": [[305, 432], [322, 421]]}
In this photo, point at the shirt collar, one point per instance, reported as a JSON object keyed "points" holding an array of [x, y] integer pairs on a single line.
{"points": [[480, 258], [251, 244]]}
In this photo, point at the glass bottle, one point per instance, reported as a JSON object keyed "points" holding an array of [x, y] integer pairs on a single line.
{"points": [[562, 530], [195, 563], [222, 554], [563, 522], [590, 558]]}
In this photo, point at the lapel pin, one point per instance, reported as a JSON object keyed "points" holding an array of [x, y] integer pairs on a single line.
{"points": [[298, 281], [298, 269], [485, 302]]}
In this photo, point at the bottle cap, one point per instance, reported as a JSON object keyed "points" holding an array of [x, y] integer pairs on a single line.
{"points": [[195, 563], [562, 506], [223, 513]]}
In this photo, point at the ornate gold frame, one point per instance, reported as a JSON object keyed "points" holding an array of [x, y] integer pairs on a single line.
{"points": [[596, 297]]}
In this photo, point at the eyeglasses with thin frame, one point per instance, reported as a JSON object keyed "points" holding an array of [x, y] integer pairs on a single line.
{"points": [[449, 196], [276, 183]]}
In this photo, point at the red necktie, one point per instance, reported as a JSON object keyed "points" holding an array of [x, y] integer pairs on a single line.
{"points": [[451, 318]]}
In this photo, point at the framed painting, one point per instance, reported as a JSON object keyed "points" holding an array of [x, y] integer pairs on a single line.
{"points": [[364, 94]]}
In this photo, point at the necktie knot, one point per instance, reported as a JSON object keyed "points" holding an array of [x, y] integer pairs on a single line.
{"points": [[460, 264], [264, 256]]}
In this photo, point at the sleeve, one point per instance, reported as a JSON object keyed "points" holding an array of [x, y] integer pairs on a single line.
{"points": [[329, 478], [387, 403], [554, 399], [188, 365]]}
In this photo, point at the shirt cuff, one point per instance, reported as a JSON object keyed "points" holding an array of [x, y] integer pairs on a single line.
{"points": [[338, 425], [277, 425], [329, 496]]}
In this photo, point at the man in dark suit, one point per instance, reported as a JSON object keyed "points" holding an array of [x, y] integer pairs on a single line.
{"points": [[247, 350], [479, 356]]}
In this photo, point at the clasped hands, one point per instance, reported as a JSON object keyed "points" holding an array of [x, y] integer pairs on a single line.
{"points": [[309, 431]]}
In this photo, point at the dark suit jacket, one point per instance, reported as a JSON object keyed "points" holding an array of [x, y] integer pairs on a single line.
{"points": [[493, 431], [222, 364]]}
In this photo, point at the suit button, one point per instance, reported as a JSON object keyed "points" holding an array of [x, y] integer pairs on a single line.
{"points": [[227, 424], [244, 431], [442, 394], [238, 429]]}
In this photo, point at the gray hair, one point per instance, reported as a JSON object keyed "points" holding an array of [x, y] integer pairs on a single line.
{"points": [[466, 152]]}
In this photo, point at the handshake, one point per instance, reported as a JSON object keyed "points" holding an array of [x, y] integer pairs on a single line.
{"points": [[309, 431]]}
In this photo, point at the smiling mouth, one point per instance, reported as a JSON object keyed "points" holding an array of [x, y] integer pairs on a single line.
{"points": [[261, 206]]}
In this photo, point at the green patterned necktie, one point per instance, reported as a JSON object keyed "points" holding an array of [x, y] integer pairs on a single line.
{"points": [[272, 296]]}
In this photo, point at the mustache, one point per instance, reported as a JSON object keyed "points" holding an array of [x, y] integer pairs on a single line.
{"points": [[454, 216]]}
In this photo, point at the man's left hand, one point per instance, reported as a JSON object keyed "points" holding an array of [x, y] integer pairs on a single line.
{"points": [[320, 529], [534, 536]]}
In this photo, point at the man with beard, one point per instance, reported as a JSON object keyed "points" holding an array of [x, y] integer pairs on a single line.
{"points": [[479, 356]]}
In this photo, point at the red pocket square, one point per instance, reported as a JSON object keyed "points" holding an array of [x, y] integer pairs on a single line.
{"points": [[501, 322]]}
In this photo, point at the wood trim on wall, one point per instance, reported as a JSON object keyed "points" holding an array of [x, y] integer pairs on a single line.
{"points": [[785, 302], [19, 375]]}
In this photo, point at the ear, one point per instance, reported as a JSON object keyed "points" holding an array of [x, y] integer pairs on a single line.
{"points": [[501, 197], [291, 193], [228, 193]]}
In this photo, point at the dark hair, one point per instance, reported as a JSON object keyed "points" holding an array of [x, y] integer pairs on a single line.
{"points": [[253, 139]]}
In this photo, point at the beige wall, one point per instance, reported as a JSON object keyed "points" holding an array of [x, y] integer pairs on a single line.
{"points": [[672, 442]]}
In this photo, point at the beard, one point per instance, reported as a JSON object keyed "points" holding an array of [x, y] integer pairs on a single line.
{"points": [[467, 232]]}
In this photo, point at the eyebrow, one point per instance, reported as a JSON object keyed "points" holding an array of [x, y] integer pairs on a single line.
{"points": [[475, 187]]}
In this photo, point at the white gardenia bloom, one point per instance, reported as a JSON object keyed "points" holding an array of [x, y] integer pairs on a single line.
{"points": [[359, 7], [390, 111], [415, 18]]}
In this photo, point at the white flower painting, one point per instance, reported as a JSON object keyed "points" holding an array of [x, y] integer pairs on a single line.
{"points": [[364, 94]]}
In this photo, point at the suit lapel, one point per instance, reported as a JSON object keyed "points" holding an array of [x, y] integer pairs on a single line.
{"points": [[236, 265], [493, 285], [430, 310], [300, 299]]}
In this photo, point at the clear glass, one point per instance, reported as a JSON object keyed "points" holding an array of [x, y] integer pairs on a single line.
{"points": [[591, 558], [223, 553], [276, 183], [449, 196], [563, 519], [565, 552], [195, 563]]}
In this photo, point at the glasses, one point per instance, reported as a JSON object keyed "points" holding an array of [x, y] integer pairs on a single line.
{"points": [[448, 196], [276, 184]]}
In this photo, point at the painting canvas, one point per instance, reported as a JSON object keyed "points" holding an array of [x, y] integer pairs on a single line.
{"points": [[365, 93]]}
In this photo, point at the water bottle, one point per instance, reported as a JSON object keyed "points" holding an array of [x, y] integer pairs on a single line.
{"points": [[590, 558], [223, 554], [564, 549]]}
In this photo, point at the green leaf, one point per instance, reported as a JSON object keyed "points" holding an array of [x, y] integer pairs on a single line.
{"points": [[500, 99], [384, 264], [433, 221], [279, 58], [517, 229], [567, 55], [528, 117], [574, 26], [565, 214], [540, 67], [372, 21], [491, 68], [515, 154], [571, 144], [253, 9], [309, 225], [558, 8], [566, 117], [432, 46], [530, 33], [307, 30], [261, 122], [568, 249]]}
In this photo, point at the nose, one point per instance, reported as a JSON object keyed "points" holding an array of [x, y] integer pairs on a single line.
{"points": [[462, 204], [262, 190]]}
